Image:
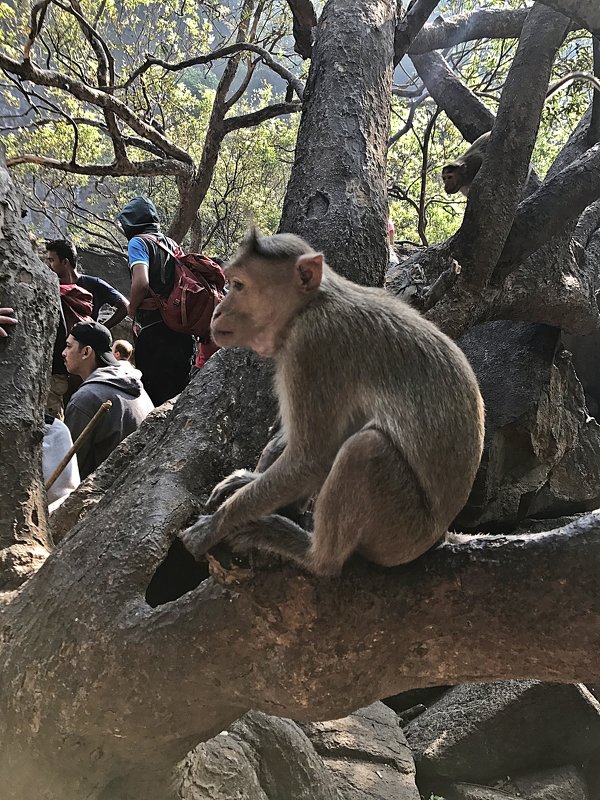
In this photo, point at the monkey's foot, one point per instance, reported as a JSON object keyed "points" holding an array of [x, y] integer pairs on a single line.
{"points": [[227, 487], [200, 537]]}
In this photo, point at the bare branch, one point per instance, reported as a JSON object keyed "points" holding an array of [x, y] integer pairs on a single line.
{"points": [[139, 168], [409, 26], [548, 211], [594, 129], [81, 91], [467, 112], [305, 21], [256, 117], [498, 186], [486, 23], [222, 52], [38, 14], [586, 12]]}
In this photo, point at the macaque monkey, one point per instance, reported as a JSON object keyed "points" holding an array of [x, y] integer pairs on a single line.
{"points": [[458, 175], [381, 416]]}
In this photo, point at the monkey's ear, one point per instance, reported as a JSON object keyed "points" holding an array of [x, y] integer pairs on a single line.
{"points": [[309, 271]]}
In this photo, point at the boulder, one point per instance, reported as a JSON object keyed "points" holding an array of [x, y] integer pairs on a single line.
{"points": [[565, 783], [542, 449], [471, 791], [480, 733]]}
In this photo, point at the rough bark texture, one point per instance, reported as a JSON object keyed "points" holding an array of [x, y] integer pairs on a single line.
{"points": [[32, 290], [336, 196], [586, 12], [485, 23]]}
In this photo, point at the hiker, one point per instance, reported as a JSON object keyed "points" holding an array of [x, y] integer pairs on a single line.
{"points": [[162, 355], [88, 355], [61, 257], [56, 444]]}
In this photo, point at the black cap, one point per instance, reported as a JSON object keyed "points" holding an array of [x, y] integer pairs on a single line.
{"points": [[98, 337]]}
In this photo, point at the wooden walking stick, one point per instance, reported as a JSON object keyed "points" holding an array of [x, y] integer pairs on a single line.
{"points": [[78, 442]]}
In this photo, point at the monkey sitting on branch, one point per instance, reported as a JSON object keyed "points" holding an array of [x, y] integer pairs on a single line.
{"points": [[381, 416]]}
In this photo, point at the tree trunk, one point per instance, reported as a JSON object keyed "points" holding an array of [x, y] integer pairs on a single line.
{"points": [[336, 196], [25, 358]]}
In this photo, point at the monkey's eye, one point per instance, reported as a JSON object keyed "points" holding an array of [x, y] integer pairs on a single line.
{"points": [[236, 284]]}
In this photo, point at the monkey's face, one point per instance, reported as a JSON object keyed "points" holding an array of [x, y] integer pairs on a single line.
{"points": [[263, 299], [453, 178]]}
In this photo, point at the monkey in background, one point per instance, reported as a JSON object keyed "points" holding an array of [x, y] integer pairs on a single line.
{"points": [[381, 416], [458, 175]]}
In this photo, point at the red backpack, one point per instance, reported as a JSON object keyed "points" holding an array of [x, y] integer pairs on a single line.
{"points": [[76, 303], [197, 288]]}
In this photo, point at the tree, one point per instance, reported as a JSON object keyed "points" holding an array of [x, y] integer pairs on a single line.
{"points": [[100, 107], [113, 667]]}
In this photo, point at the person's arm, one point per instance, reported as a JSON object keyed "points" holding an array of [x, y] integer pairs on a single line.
{"points": [[139, 264], [7, 317], [120, 303]]}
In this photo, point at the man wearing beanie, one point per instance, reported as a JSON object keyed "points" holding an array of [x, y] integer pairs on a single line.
{"points": [[162, 355], [88, 355]]}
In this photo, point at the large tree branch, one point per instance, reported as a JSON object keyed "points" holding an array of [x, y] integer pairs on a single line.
{"points": [[550, 210], [497, 189], [467, 112], [586, 12], [305, 21], [43, 77], [409, 26], [594, 129], [486, 23]]}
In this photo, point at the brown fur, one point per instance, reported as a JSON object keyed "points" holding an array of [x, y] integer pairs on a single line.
{"points": [[381, 415], [458, 175]]}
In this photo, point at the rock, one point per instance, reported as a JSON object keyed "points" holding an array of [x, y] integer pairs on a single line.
{"points": [[368, 754], [542, 450], [566, 783], [480, 733], [471, 791], [360, 757]]}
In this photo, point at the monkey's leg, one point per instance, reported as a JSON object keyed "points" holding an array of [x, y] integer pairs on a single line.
{"points": [[201, 536], [275, 534], [371, 502], [227, 487]]}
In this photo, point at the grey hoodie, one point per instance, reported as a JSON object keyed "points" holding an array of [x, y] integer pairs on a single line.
{"points": [[130, 405]]}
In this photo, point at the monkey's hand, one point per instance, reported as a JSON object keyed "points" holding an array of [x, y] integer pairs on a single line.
{"points": [[228, 486], [201, 536]]}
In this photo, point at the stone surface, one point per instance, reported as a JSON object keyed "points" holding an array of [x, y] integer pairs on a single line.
{"points": [[360, 757], [566, 783], [542, 450], [471, 791], [482, 732]]}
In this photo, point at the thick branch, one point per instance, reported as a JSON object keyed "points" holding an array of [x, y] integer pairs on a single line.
{"points": [[409, 26], [594, 129], [256, 117], [586, 12], [82, 91], [467, 112], [486, 23], [305, 21], [498, 187], [548, 211]]}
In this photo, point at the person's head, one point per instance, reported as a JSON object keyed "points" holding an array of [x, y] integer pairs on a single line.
{"points": [[122, 350], [88, 347], [139, 216], [61, 257]]}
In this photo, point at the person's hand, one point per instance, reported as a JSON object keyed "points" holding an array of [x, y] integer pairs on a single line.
{"points": [[7, 317]]}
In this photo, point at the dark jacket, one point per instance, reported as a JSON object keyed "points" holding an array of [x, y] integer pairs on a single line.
{"points": [[130, 405]]}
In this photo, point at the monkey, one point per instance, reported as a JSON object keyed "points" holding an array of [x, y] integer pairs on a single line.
{"points": [[458, 175], [381, 416]]}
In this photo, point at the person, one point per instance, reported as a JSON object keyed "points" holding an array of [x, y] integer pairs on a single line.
{"points": [[88, 355], [56, 444], [122, 350], [162, 355], [61, 257], [393, 257], [7, 318]]}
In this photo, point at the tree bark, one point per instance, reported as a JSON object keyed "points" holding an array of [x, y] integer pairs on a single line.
{"points": [[336, 197], [32, 290]]}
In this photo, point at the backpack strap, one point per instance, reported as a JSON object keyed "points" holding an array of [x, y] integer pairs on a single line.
{"points": [[163, 246]]}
